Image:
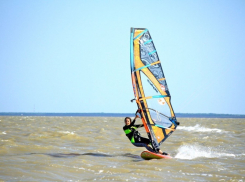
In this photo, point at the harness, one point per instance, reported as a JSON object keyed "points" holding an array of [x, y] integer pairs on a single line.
{"points": [[135, 133]]}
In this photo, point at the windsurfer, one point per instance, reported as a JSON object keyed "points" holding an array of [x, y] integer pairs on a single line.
{"points": [[134, 135]]}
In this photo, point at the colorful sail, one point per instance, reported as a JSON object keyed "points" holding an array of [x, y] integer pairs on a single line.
{"points": [[150, 88]]}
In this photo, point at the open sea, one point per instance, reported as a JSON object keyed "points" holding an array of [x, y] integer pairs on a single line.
{"points": [[41, 148]]}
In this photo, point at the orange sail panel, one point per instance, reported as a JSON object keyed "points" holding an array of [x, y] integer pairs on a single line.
{"points": [[150, 88]]}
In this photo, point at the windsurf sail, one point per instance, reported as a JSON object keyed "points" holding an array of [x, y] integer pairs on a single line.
{"points": [[150, 88]]}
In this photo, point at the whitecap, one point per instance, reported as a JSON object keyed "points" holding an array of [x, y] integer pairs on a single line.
{"points": [[67, 132], [196, 151], [198, 128], [100, 171]]}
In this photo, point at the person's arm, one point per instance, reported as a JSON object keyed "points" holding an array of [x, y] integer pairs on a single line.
{"points": [[136, 116], [132, 123], [139, 125]]}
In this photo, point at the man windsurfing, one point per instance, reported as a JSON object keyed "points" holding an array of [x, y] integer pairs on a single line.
{"points": [[133, 135]]}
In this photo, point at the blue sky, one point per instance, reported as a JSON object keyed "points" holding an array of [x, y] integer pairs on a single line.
{"points": [[73, 56]]}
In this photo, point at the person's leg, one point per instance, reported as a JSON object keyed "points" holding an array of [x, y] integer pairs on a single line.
{"points": [[161, 152], [147, 141], [143, 145]]}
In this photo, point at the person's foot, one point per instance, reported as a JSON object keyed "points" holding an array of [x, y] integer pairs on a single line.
{"points": [[162, 153]]}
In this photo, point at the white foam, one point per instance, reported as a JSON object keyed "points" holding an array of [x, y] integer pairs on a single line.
{"points": [[100, 171], [67, 132], [198, 128], [196, 151]]}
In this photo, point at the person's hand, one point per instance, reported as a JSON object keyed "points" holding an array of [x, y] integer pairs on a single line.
{"points": [[139, 110]]}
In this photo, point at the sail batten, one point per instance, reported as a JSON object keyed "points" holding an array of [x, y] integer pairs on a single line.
{"points": [[137, 36], [148, 65], [148, 41], [150, 88], [150, 53]]}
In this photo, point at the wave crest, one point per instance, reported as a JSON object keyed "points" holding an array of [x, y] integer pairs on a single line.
{"points": [[196, 151], [198, 128]]}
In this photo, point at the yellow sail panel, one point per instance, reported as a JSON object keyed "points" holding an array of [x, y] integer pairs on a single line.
{"points": [[158, 133], [172, 128], [140, 87], [138, 33]]}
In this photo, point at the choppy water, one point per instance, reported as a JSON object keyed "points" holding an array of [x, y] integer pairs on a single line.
{"points": [[95, 148]]}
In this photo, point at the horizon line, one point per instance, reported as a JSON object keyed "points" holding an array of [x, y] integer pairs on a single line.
{"points": [[108, 113], [103, 114]]}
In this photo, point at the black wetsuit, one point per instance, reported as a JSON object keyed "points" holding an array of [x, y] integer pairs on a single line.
{"points": [[134, 136]]}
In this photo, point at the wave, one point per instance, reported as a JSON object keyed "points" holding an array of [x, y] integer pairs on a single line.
{"points": [[198, 128], [196, 151], [3, 133], [67, 132]]}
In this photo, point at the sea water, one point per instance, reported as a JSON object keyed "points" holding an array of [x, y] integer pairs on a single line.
{"points": [[96, 149]]}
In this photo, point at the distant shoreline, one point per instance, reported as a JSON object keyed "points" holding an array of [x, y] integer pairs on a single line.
{"points": [[180, 115]]}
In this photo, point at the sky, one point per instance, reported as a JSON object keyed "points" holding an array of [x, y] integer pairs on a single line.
{"points": [[74, 56]]}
